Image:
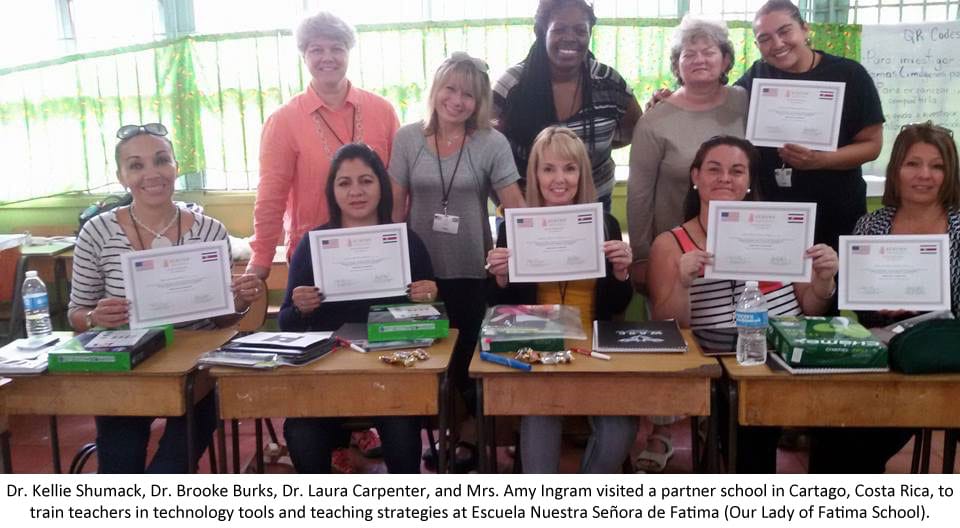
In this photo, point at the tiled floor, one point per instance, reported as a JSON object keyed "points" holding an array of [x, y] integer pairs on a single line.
{"points": [[31, 451]]}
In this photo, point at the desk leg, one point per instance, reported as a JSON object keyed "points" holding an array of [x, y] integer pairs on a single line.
{"points": [[734, 410], [6, 461], [221, 436], [695, 457], [189, 416], [712, 452], [927, 435], [258, 432], [55, 445], [235, 434], [950, 439], [443, 423], [481, 429]]}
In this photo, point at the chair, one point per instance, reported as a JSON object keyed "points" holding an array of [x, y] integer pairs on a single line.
{"points": [[950, 439], [11, 306], [254, 318]]}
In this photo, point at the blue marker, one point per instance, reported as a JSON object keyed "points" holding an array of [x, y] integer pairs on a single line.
{"points": [[505, 361]]}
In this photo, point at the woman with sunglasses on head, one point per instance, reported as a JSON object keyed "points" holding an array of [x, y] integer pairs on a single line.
{"points": [[358, 194], [561, 83], [147, 167], [921, 196]]}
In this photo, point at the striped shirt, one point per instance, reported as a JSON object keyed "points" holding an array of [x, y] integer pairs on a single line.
{"points": [[96, 259], [713, 303]]}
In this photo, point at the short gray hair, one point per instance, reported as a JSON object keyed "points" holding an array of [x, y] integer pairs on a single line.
{"points": [[693, 28], [324, 25]]}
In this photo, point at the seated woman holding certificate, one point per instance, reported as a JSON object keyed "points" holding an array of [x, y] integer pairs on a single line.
{"points": [[358, 194], [559, 174], [725, 168], [147, 167], [921, 197]]}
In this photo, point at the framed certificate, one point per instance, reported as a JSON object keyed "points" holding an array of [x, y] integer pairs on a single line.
{"points": [[806, 113], [894, 272], [762, 241], [361, 262], [177, 284], [549, 244]]}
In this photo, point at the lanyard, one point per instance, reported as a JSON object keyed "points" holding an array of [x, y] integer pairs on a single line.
{"points": [[443, 184], [353, 129]]}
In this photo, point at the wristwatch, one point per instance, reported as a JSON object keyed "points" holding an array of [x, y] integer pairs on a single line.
{"points": [[88, 319]]}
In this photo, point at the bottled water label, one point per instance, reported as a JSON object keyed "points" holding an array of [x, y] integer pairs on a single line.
{"points": [[752, 319], [35, 301]]}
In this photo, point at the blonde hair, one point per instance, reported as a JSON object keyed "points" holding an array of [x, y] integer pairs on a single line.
{"points": [[473, 73], [562, 143]]}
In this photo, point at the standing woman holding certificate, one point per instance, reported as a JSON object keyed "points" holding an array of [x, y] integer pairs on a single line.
{"points": [[358, 194], [443, 170], [559, 174], [146, 166], [792, 173], [921, 197], [725, 168]]}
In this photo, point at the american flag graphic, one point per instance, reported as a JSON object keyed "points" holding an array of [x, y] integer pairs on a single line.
{"points": [[826, 95], [796, 218], [209, 256], [860, 249], [928, 249], [772, 92], [524, 222], [390, 238], [585, 218], [143, 265], [730, 216], [330, 243]]}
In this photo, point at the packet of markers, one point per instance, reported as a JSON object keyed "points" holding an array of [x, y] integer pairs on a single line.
{"points": [[515, 335]]}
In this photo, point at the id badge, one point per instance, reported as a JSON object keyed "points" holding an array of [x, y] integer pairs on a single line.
{"points": [[784, 177], [444, 223]]}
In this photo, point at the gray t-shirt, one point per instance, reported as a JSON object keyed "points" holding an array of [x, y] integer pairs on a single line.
{"points": [[487, 164], [665, 141]]}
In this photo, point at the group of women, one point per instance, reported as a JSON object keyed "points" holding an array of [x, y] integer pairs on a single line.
{"points": [[335, 156]]}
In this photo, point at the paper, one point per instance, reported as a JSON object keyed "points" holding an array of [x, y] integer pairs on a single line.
{"points": [[894, 272], [117, 338], [284, 339], [805, 113], [178, 284], [361, 262], [413, 311], [549, 244], [761, 241]]}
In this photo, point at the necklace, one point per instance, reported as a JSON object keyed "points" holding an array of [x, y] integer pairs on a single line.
{"points": [[451, 139], [159, 240], [812, 61]]}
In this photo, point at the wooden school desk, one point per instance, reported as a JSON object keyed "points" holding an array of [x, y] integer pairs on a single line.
{"points": [[166, 384], [344, 383], [761, 396], [631, 384]]}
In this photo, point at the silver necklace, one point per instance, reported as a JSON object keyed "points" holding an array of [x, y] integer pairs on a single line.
{"points": [[159, 240]]}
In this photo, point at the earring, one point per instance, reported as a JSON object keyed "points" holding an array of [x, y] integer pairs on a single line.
{"points": [[694, 186], [748, 190]]}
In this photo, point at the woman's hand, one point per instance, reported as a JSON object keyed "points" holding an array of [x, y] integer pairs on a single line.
{"points": [[825, 266], [110, 312], [498, 265], [660, 95], [691, 266], [422, 291], [306, 299], [801, 158], [246, 289], [620, 256]]}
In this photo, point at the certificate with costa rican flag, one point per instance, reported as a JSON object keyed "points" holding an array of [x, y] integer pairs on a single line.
{"points": [[894, 272], [762, 241], [804, 113], [361, 262], [549, 244], [178, 284]]}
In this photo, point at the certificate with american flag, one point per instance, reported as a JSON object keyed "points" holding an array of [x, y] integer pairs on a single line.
{"points": [[561, 243], [894, 272], [761, 241], [178, 284], [803, 113], [361, 262]]}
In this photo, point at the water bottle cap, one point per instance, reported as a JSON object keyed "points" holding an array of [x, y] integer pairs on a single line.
{"points": [[753, 284], [31, 274]]}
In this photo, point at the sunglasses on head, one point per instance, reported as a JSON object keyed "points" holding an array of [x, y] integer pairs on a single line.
{"points": [[154, 129], [930, 125]]}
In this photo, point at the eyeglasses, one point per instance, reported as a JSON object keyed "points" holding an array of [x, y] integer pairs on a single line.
{"points": [[479, 64], [154, 129], [928, 124]]}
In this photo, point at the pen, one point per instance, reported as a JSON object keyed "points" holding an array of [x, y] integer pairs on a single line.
{"points": [[590, 353], [505, 361], [354, 346]]}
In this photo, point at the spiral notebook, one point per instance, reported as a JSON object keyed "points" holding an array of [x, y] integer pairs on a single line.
{"points": [[635, 337], [775, 362]]}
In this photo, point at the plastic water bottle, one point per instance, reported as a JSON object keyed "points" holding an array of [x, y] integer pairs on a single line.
{"points": [[36, 307], [751, 326]]}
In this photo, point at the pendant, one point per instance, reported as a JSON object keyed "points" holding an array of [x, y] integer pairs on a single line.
{"points": [[160, 242]]}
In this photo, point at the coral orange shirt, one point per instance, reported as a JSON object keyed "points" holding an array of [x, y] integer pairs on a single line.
{"points": [[295, 152]]}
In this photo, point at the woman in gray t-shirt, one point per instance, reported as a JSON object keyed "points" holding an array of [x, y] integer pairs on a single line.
{"points": [[443, 170]]}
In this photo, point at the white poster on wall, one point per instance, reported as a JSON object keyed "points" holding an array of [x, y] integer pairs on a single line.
{"points": [[916, 68]]}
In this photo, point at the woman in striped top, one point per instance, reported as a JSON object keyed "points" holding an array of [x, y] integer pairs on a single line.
{"points": [[147, 167], [725, 168]]}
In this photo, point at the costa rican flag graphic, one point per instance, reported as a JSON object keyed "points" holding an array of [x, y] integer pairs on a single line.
{"points": [[796, 218], [826, 95], [585, 218], [209, 256], [928, 249], [390, 238]]}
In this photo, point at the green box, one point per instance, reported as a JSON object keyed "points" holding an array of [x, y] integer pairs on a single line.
{"points": [[73, 356], [825, 342], [384, 325]]}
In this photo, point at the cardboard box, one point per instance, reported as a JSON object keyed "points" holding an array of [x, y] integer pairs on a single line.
{"points": [[395, 322], [825, 342], [76, 356]]}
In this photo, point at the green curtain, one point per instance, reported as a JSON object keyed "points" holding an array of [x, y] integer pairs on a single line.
{"points": [[58, 118]]}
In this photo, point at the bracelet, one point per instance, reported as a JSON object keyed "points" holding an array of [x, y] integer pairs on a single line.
{"points": [[829, 296], [88, 319], [245, 310]]}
